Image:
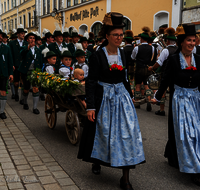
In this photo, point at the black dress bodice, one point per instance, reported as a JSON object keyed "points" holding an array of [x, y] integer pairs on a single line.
{"points": [[174, 75], [99, 71]]}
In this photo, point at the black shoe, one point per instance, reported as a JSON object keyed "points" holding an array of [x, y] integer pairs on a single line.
{"points": [[161, 113], [13, 96], [3, 115], [149, 106], [36, 111], [42, 97], [26, 106], [125, 186], [96, 169], [16, 97], [21, 102]]}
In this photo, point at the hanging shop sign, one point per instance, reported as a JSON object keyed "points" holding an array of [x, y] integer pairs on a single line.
{"points": [[85, 14]]}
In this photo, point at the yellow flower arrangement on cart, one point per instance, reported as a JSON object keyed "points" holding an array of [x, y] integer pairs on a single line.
{"points": [[53, 82]]}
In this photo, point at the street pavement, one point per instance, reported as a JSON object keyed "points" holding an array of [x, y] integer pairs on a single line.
{"points": [[155, 174]]}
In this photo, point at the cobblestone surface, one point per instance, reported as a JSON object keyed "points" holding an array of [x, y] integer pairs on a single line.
{"points": [[24, 162]]}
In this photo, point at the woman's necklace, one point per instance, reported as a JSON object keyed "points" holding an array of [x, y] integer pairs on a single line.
{"points": [[111, 52]]}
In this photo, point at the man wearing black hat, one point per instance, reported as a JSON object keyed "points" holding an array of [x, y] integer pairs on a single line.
{"points": [[84, 41], [6, 72], [143, 54], [5, 38], [15, 46], [72, 46], [48, 37], [91, 42], [31, 60], [66, 36]]}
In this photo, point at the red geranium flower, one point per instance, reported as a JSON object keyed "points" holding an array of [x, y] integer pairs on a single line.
{"points": [[116, 67], [191, 68]]}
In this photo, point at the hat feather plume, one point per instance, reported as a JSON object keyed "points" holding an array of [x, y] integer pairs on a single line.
{"points": [[86, 34], [45, 51], [64, 49], [14, 30], [66, 29], [91, 35], [79, 46], [20, 26], [37, 33], [128, 33], [45, 31], [74, 30], [57, 27]]}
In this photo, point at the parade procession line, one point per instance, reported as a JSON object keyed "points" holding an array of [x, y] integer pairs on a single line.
{"points": [[24, 162]]}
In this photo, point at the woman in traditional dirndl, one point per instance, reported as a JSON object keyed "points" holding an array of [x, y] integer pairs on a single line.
{"points": [[182, 75], [112, 135]]}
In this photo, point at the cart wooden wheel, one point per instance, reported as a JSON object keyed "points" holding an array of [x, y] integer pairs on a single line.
{"points": [[72, 126], [50, 111]]}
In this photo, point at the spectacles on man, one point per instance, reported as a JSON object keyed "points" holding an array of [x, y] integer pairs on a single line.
{"points": [[117, 35]]}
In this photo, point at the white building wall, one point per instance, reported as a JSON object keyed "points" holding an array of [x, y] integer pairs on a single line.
{"points": [[176, 12]]}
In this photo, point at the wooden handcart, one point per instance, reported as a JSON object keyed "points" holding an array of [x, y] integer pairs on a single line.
{"points": [[75, 112]]}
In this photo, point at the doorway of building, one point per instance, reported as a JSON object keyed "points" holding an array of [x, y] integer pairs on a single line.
{"points": [[160, 18]]}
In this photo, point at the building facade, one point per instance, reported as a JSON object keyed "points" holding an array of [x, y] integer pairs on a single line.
{"points": [[191, 12], [87, 15], [15, 12]]}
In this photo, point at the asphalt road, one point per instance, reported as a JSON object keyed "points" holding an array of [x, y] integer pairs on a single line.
{"points": [[155, 174]]}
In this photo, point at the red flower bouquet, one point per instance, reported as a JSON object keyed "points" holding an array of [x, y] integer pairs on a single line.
{"points": [[116, 67], [191, 68], [71, 68]]}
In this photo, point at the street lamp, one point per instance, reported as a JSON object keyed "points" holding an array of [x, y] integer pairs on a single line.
{"points": [[57, 15]]}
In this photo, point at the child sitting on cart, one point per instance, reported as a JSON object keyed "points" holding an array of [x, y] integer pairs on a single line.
{"points": [[79, 77], [50, 60], [80, 57], [66, 59]]}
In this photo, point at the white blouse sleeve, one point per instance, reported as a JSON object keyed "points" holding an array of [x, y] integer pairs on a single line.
{"points": [[65, 72], [85, 69], [50, 69]]}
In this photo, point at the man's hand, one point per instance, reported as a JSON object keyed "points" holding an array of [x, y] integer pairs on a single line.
{"points": [[11, 78], [13, 68], [91, 115], [31, 45], [150, 68]]}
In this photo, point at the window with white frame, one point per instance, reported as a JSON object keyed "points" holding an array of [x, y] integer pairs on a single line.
{"points": [[96, 28], [11, 4], [48, 6], [8, 7], [15, 23], [60, 4], [4, 7], [8, 26], [20, 20], [55, 4], [29, 19], [11, 24], [68, 3], [5, 26], [75, 2], [44, 7], [24, 21], [2, 26]]}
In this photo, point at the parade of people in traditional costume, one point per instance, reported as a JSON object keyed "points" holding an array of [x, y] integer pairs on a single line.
{"points": [[113, 72]]}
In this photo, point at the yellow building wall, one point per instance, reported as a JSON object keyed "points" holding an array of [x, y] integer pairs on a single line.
{"points": [[141, 12], [22, 10], [49, 22]]}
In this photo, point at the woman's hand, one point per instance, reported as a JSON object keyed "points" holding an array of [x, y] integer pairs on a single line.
{"points": [[154, 101], [91, 115], [133, 100]]}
